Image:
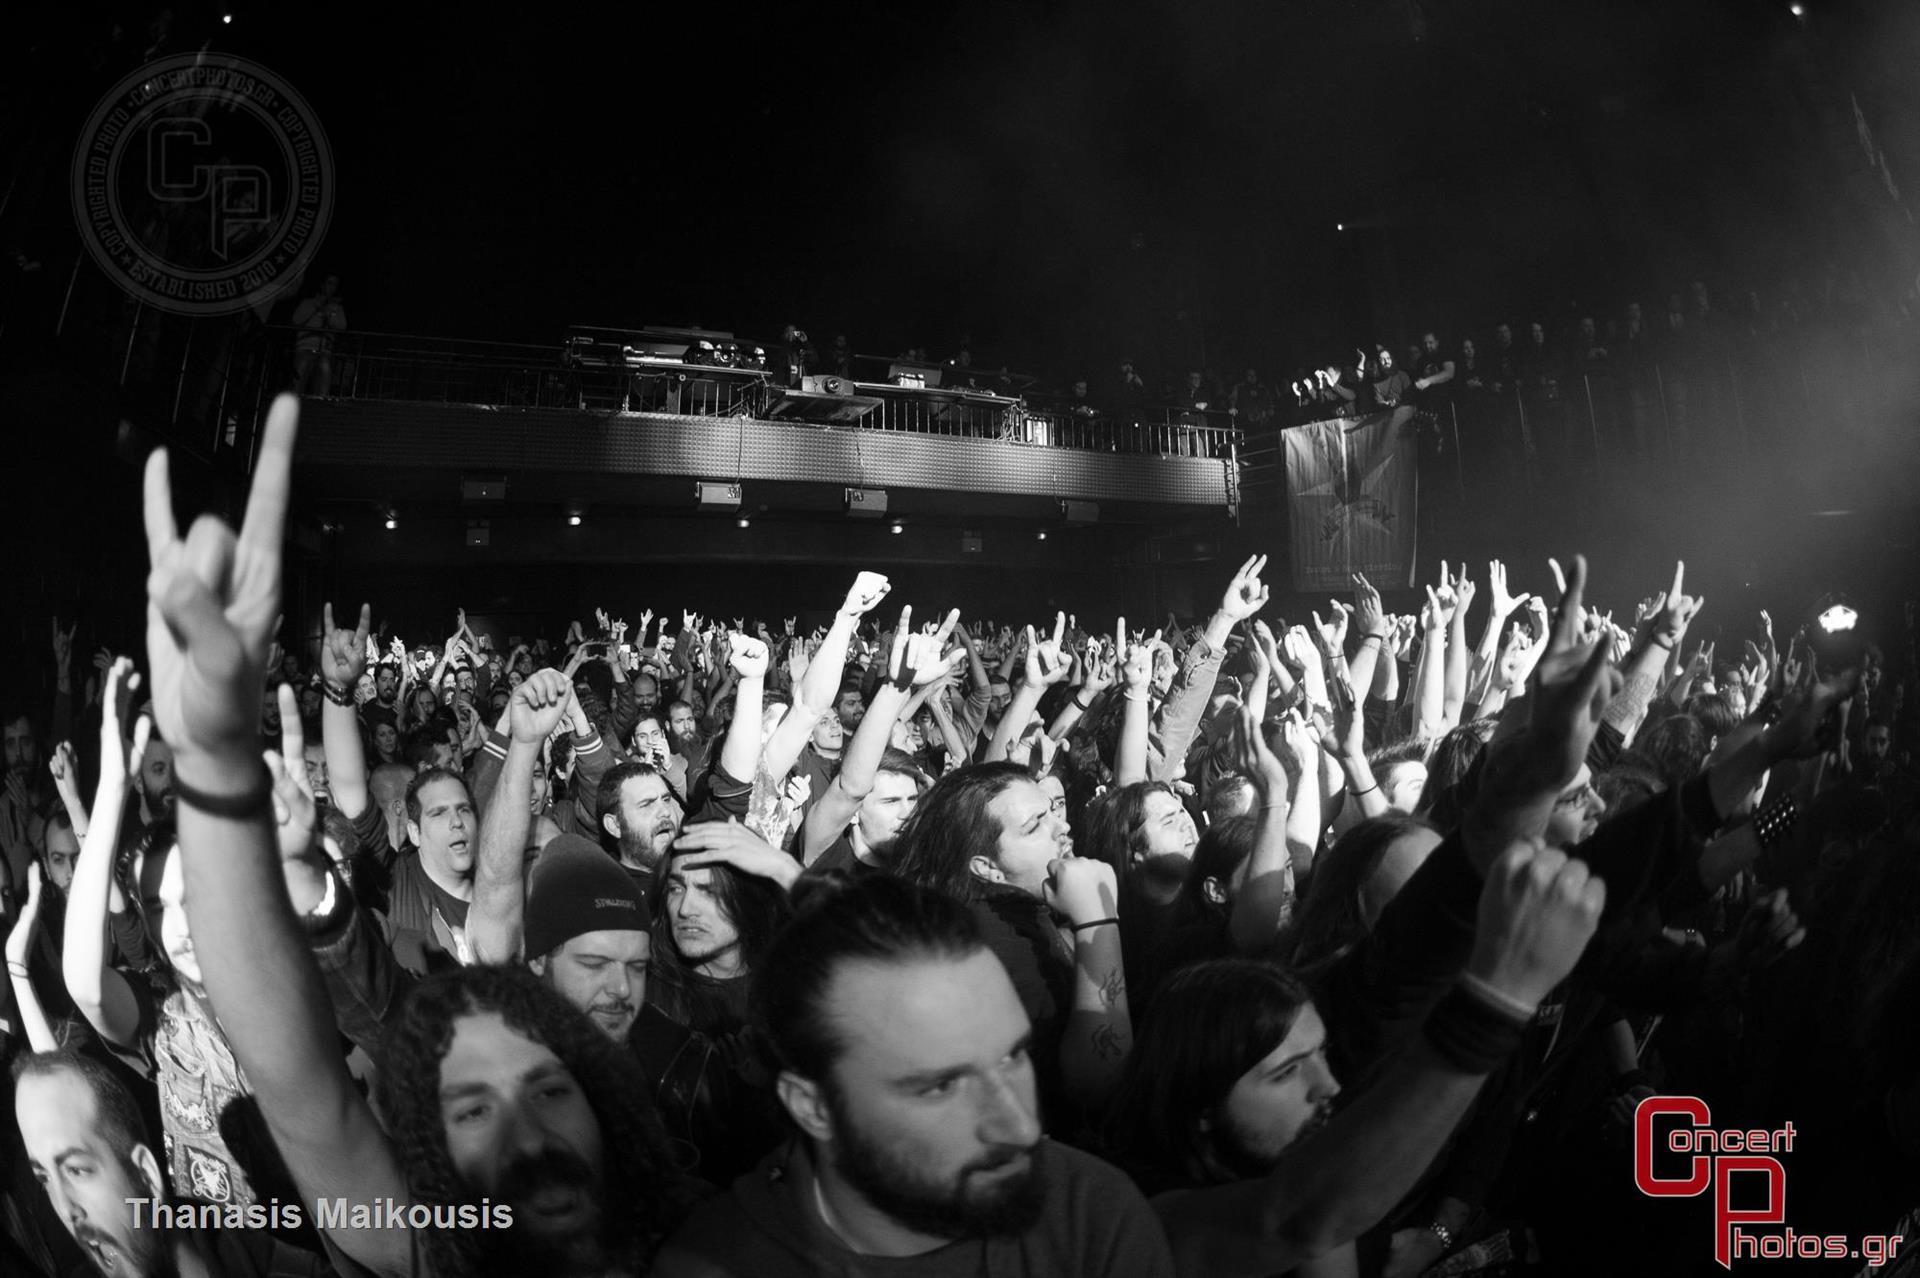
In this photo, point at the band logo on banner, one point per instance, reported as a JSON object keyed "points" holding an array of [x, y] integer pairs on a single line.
{"points": [[1352, 494]]}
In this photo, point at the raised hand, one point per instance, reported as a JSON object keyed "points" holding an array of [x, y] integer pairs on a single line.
{"points": [[1538, 910], [64, 767], [928, 663], [1333, 634], [799, 790], [868, 589], [212, 601], [1254, 759], [120, 759], [538, 705], [63, 647], [749, 657], [1081, 888], [1368, 615], [1047, 663], [1136, 661], [1245, 594], [1572, 684], [343, 653], [294, 811], [1503, 604], [1677, 611], [730, 843]]}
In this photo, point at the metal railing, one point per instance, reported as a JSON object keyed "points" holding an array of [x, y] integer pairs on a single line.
{"points": [[395, 367]]}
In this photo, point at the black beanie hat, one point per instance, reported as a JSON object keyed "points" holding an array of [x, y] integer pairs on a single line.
{"points": [[576, 888]]}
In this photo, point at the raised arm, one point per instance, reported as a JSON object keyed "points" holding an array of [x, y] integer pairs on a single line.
{"points": [[499, 874], [1099, 1025], [1658, 638], [1264, 903], [98, 990], [1046, 666], [343, 659], [740, 752], [1186, 703], [1130, 752], [207, 635], [828, 818], [1537, 913], [814, 697], [33, 1017]]}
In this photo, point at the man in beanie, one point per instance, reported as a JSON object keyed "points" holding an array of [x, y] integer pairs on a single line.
{"points": [[586, 932]]}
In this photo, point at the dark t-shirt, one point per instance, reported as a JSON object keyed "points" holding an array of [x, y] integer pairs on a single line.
{"points": [[1094, 1225], [426, 920], [840, 856]]}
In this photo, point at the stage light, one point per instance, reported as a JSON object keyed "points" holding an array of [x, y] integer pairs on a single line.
{"points": [[898, 528], [227, 18], [1042, 534], [1797, 10], [392, 523], [1339, 226], [573, 521], [742, 522]]}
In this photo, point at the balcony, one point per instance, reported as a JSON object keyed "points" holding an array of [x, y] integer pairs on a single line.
{"points": [[396, 405]]}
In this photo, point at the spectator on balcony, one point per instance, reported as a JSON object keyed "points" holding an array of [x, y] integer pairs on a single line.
{"points": [[839, 358], [1129, 392], [1503, 363], [1252, 403], [1079, 402], [1636, 340], [1540, 364], [1470, 373], [1593, 353], [318, 318], [1677, 342], [1703, 318], [797, 355], [1386, 385], [1437, 371]]}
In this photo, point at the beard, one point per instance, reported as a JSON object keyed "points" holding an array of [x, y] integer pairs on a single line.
{"points": [[526, 1249], [1243, 1162], [139, 1252], [963, 1208]]}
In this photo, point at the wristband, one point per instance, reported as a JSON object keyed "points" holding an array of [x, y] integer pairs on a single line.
{"points": [[19, 970], [1078, 928], [1360, 793], [1487, 992], [1367, 639], [1470, 1033], [1441, 1232], [1082, 706], [1773, 824], [1656, 641], [255, 802], [337, 693]]}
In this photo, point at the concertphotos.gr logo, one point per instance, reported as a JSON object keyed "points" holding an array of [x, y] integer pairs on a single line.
{"points": [[202, 184], [1714, 1157]]}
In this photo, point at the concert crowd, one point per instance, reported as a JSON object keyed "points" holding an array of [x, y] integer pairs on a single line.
{"points": [[917, 943]]}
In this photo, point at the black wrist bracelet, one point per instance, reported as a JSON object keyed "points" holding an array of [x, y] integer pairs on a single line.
{"points": [[337, 693], [255, 802], [1082, 706], [1471, 1034], [1078, 928]]}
